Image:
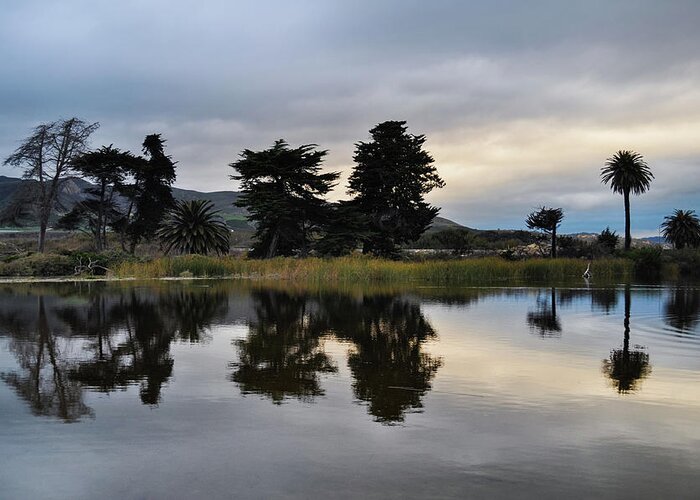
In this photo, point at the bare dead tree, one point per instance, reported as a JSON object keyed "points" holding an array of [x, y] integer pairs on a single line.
{"points": [[46, 156]]}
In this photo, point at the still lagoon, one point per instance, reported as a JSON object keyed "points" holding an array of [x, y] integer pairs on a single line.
{"points": [[241, 389]]}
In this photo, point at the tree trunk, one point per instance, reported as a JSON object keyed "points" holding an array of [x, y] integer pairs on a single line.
{"points": [[554, 243], [99, 241], [42, 234], [628, 306], [628, 231], [272, 249]]}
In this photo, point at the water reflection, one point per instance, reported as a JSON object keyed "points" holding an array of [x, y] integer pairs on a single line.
{"points": [[627, 367], [100, 339], [544, 319], [390, 369], [44, 381], [604, 299], [69, 340], [682, 309], [283, 353]]}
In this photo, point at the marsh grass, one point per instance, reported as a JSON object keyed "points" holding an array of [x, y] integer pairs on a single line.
{"points": [[364, 269]]}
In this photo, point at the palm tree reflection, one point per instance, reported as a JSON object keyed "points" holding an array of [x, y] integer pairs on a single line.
{"points": [[682, 309], [626, 367]]}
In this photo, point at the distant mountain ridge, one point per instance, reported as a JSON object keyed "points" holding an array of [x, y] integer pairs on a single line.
{"points": [[73, 190]]}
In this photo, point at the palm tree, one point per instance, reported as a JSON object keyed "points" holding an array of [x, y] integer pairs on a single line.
{"points": [[627, 172], [682, 229], [194, 227]]}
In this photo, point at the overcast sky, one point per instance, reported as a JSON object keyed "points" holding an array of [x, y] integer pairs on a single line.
{"points": [[521, 102]]}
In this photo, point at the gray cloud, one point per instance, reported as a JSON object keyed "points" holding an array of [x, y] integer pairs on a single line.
{"points": [[521, 101]]}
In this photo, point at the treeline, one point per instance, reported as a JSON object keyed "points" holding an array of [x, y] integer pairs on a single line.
{"points": [[283, 189], [130, 194], [626, 173]]}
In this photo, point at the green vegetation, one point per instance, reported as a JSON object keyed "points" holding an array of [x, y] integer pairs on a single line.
{"points": [[283, 211], [682, 229], [366, 269], [194, 227]]}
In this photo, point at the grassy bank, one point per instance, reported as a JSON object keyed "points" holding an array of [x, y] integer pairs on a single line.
{"points": [[362, 269]]}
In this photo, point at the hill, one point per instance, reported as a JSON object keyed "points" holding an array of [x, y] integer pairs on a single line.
{"points": [[14, 191]]}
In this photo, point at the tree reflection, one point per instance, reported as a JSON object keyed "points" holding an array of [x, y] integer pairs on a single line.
{"points": [[113, 338], [682, 309], [391, 371], [191, 311], [282, 355], [625, 367], [604, 299], [544, 319], [44, 383]]}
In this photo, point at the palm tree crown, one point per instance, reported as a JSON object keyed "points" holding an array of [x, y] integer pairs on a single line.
{"points": [[682, 228], [627, 172], [194, 227]]}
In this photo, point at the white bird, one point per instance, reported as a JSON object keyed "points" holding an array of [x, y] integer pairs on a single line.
{"points": [[587, 273]]}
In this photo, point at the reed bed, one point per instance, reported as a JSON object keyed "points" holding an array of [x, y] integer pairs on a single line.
{"points": [[364, 269]]}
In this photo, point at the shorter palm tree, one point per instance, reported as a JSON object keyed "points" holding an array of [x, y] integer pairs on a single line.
{"points": [[194, 227], [682, 229]]}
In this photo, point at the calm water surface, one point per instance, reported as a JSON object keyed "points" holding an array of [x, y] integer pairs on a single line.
{"points": [[217, 389]]}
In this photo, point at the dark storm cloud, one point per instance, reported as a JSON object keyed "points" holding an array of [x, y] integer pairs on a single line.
{"points": [[497, 86]]}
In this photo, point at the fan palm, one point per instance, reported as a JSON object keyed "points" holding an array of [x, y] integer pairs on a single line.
{"points": [[627, 172], [682, 229], [194, 227]]}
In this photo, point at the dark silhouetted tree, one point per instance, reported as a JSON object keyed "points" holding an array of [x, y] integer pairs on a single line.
{"points": [[608, 239], [546, 220], [283, 189], [194, 227], [391, 176], [682, 229], [460, 241], [344, 229], [46, 157], [106, 168], [150, 194], [627, 172]]}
